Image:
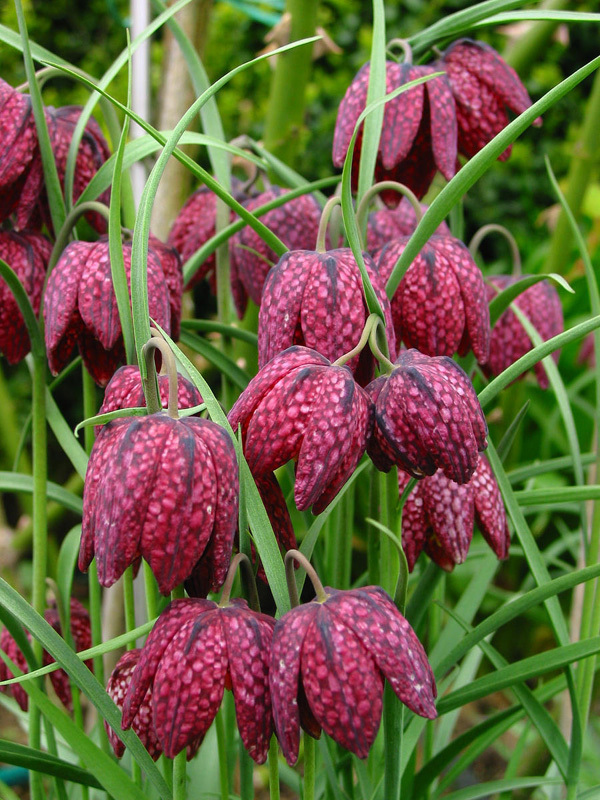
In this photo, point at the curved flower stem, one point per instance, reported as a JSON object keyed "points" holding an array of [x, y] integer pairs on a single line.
{"points": [[404, 46], [324, 222], [149, 382], [240, 559], [495, 228], [296, 555], [377, 352], [382, 186], [372, 321]]}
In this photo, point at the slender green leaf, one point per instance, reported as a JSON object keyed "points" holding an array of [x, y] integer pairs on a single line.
{"points": [[213, 326], [17, 482], [222, 362], [376, 90], [20, 755], [66, 438], [505, 785]]}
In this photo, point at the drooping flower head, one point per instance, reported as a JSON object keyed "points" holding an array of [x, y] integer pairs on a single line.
{"points": [[418, 134], [296, 223], [82, 639], [196, 650], [80, 306], [440, 305], [439, 514], [509, 340], [18, 146], [163, 489], [27, 253], [301, 407], [328, 663], [427, 416], [317, 300], [483, 86]]}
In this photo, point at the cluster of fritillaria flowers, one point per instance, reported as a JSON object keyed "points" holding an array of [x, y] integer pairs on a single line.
{"points": [[338, 381]]}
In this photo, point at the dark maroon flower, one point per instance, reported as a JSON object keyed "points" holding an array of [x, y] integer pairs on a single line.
{"points": [[427, 415], [82, 639], [317, 300], [418, 134], [80, 306], [143, 725], [386, 224], [328, 663], [27, 253], [296, 223], [18, 146], [484, 86], [438, 516], [440, 306], [300, 406], [160, 488], [509, 341], [196, 650], [195, 225], [93, 151]]}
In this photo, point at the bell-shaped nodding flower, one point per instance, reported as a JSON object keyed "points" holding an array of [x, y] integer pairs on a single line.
{"points": [[195, 651], [427, 415], [317, 300], [124, 390], [82, 639], [418, 133], [296, 223], [329, 659], [301, 407], [541, 305], [483, 86], [440, 306], [164, 489], [27, 254], [80, 306], [438, 516]]}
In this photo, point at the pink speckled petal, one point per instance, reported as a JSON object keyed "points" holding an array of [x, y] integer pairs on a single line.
{"points": [[374, 619], [343, 686], [189, 682], [61, 315], [450, 513], [489, 509], [10, 647], [414, 524], [284, 673], [248, 636], [402, 116], [443, 124], [167, 626], [97, 300], [352, 105]]}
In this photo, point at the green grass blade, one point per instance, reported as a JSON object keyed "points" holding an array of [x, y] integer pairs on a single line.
{"points": [[17, 482], [66, 438], [375, 91], [217, 358], [19, 755]]}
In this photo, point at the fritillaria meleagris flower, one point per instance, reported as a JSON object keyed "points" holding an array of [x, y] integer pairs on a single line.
{"points": [[195, 225], [27, 253], [196, 650], [300, 406], [80, 306], [440, 305], [18, 147], [427, 416], [296, 223], [142, 724], [32, 208], [317, 300], [82, 639], [418, 134], [386, 224], [483, 86], [438, 516], [163, 489], [509, 340], [328, 663]]}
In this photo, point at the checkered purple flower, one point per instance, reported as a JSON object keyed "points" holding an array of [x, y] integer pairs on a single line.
{"points": [[328, 663], [194, 652], [427, 416]]}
